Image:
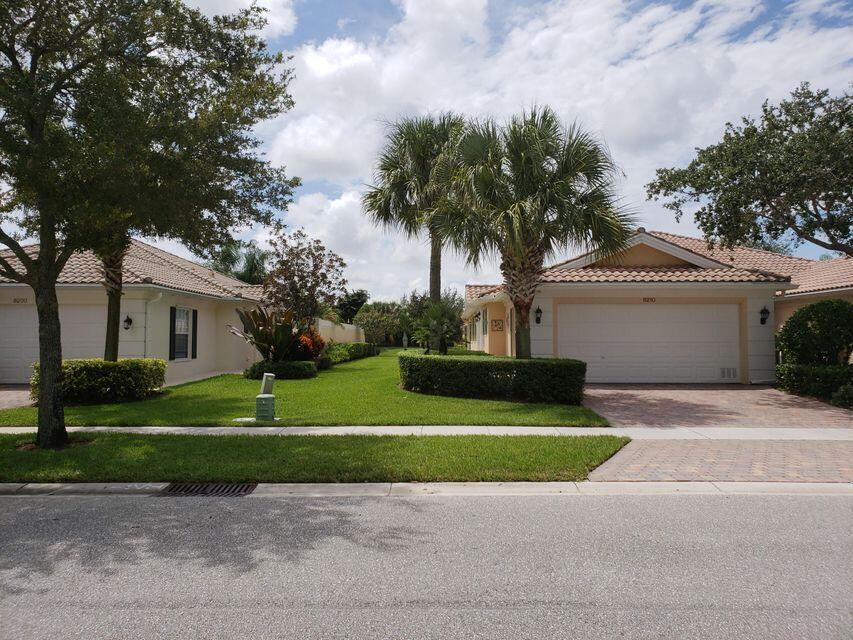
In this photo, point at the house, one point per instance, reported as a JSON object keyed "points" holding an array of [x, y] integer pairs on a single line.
{"points": [[172, 309], [667, 309]]}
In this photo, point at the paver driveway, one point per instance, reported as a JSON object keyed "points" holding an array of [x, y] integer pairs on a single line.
{"points": [[729, 461], [669, 405], [14, 395]]}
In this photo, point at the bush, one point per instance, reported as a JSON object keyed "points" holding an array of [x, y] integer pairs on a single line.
{"points": [[463, 351], [339, 352], [283, 370], [95, 380], [843, 397], [324, 362], [821, 381], [819, 333], [534, 380]]}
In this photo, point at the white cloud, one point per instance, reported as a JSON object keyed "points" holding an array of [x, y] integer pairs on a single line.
{"points": [[654, 83], [281, 18]]}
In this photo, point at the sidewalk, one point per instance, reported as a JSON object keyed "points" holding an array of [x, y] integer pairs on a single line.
{"points": [[414, 489], [635, 433]]}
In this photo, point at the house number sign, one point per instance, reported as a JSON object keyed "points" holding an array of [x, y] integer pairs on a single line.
{"points": [[497, 325], [649, 300], [19, 300]]}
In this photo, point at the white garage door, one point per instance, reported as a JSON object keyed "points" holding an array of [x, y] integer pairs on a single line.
{"points": [[83, 330], [652, 342]]}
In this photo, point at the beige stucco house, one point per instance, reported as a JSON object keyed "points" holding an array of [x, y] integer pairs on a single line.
{"points": [[172, 309], [666, 310]]}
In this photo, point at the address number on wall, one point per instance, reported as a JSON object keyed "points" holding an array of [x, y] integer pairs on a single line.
{"points": [[20, 300], [649, 300]]}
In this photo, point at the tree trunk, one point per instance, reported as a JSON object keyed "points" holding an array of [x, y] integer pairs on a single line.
{"points": [[434, 268], [51, 415], [522, 328], [113, 265]]}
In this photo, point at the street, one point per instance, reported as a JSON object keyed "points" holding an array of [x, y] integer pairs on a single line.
{"points": [[673, 566]]}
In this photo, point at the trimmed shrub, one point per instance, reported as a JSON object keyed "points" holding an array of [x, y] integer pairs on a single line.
{"points": [[93, 380], [283, 370], [339, 352], [324, 362], [819, 333], [843, 397], [534, 380], [821, 381], [462, 351]]}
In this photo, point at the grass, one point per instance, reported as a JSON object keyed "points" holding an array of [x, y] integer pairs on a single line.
{"points": [[123, 457], [362, 392]]}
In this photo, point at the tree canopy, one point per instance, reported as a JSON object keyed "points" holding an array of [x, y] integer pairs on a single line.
{"points": [[791, 170]]}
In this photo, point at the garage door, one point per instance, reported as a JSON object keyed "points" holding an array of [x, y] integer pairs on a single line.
{"points": [[680, 343], [83, 329]]}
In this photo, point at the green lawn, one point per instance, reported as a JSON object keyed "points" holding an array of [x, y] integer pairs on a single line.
{"points": [[362, 392], [121, 457]]}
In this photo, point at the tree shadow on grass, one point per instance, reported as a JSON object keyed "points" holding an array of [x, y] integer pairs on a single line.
{"points": [[101, 535]]}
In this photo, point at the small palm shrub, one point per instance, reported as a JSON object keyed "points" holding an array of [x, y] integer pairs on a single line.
{"points": [[276, 334], [437, 327]]}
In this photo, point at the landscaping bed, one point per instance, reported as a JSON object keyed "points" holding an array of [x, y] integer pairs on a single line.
{"points": [[112, 457], [361, 392]]}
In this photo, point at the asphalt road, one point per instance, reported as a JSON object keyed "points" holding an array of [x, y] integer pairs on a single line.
{"points": [[429, 567]]}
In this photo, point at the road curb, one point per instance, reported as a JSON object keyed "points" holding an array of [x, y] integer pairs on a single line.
{"points": [[471, 489]]}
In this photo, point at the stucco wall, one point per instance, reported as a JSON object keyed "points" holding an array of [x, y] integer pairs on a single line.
{"points": [[339, 332]]}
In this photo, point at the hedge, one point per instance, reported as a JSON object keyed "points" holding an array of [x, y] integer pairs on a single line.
{"points": [[95, 380], [283, 370], [821, 381], [533, 380], [463, 351], [820, 333], [843, 397], [339, 352]]}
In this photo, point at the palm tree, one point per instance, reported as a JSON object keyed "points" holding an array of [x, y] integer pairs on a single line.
{"points": [[245, 261], [406, 192], [525, 191]]}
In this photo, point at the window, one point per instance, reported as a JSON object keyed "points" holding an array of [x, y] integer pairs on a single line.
{"points": [[182, 333], [485, 322]]}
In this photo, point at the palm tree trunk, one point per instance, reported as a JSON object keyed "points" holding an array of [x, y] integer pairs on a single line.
{"points": [[51, 415], [434, 268], [113, 264], [522, 329], [521, 279]]}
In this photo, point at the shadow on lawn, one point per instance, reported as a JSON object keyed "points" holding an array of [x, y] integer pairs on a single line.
{"points": [[41, 536]]}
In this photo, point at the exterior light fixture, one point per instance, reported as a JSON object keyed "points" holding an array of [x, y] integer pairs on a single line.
{"points": [[764, 314], [538, 314], [128, 322]]}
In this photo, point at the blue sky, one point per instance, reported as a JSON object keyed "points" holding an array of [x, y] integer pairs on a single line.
{"points": [[653, 79]]}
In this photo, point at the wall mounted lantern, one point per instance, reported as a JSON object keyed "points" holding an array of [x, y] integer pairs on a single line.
{"points": [[538, 314], [764, 314], [128, 323]]}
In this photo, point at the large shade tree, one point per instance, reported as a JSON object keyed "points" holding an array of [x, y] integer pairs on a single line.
{"points": [[124, 116], [523, 192], [406, 190], [789, 172]]}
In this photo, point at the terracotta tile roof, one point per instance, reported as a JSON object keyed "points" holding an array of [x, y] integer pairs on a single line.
{"points": [[473, 291], [659, 274], [824, 275], [145, 264], [740, 257]]}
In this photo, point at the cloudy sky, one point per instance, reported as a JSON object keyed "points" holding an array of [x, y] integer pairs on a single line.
{"points": [[653, 79]]}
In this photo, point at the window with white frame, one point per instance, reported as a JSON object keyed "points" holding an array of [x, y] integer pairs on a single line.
{"points": [[182, 333]]}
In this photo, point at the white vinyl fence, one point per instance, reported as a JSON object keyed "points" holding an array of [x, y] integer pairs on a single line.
{"points": [[339, 332]]}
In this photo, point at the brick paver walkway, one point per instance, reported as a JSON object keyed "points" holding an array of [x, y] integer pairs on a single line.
{"points": [[14, 396], [670, 405], [729, 461]]}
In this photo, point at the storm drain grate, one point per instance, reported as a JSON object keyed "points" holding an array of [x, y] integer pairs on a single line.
{"points": [[206, 489]]}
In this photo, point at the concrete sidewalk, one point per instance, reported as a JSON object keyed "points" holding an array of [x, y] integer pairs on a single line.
{"points": [[412, 489], [635, 433]]}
